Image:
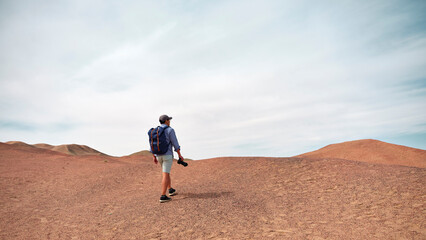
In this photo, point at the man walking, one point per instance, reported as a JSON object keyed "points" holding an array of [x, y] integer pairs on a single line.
{"points": [[166, 159]]}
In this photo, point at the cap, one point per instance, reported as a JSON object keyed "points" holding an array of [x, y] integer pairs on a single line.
{"points": [[164, 118]]}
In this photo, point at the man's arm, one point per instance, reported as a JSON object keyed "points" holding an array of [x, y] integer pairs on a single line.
{"points": [[180, 156], [175, 142], [155, 158]]}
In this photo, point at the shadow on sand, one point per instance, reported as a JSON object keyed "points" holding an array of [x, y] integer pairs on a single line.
{"points": [[206, 195]]}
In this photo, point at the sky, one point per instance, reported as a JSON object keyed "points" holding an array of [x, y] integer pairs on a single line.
{"points": [[240, 78]]}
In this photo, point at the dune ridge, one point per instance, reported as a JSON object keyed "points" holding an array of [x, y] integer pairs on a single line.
{"points": [[70, 149], [371, 151], [44, 145], [75, 149], [20, 144], [142, 153]]}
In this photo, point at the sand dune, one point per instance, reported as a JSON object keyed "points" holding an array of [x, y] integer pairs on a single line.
{"points": [[142, 153], [70, 149], [20, 144], [372, 151], [148, 153], [75, 149], [14, 148], [44, 145], [51, 195]]}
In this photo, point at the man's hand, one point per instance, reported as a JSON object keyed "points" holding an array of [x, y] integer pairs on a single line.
{"points": [[180, 156], [155, 159]]}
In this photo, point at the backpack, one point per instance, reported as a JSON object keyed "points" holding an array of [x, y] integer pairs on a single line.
{"points": [[158, 140]]}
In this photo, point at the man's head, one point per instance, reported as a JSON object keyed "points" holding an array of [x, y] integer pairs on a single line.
{"points": [[164, 119]]}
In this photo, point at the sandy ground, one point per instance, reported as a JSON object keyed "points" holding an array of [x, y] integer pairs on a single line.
{"points": [[372, 151], [45, 195]]}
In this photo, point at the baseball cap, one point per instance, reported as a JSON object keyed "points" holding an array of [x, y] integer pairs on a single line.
{"points": [[164, 118]]}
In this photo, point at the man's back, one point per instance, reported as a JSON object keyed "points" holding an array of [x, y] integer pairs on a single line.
{"points": [[171, 140]]}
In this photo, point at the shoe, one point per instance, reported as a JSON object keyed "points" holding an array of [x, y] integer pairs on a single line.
{"points": [[172, 192], [164, 198]]}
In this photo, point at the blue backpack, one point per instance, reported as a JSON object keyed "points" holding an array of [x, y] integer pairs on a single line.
{"points": [[158, 140]]}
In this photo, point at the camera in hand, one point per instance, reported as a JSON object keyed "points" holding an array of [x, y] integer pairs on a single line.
{"points": [[180, 161]]}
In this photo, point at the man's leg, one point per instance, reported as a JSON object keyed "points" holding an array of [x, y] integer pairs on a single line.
{"points": [[170, 182], [165, 183]]}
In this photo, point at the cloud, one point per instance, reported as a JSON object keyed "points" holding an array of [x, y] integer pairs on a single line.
{"points": [[239, 78], [16, 126]]}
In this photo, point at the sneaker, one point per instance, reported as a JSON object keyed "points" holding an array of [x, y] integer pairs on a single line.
{"points": [[164, 198], [172, 192]]}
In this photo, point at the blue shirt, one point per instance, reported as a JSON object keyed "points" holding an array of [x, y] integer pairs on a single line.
{"points": [[171, 140]]}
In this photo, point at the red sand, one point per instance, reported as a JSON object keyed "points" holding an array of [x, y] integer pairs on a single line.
{"points": [[51, 195], [372, 151], [70, 149]]}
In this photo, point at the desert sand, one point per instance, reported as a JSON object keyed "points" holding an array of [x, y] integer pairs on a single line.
{"points": [[372, 151], [70, 149], [47, 194]]}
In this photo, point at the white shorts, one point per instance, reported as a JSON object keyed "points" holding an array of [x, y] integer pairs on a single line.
{"points": [[166, 162]]}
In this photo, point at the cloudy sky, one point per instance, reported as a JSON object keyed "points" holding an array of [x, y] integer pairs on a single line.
{"points": [[240, 78]]}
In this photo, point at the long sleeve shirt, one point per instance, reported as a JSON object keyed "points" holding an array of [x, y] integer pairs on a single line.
{"points": [[171, 140]]}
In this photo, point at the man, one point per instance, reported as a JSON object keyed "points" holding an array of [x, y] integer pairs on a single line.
{"points": [[166, 159]]}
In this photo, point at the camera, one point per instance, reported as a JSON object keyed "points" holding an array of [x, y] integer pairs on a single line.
{"points": [[180, 161]]}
